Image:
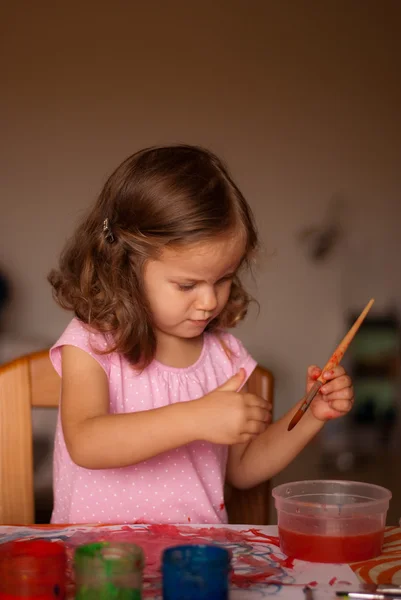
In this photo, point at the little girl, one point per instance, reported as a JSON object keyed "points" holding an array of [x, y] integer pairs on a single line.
{"points": [[154, 412]]}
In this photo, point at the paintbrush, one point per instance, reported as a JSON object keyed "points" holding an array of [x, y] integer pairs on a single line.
{"points": [[372, 592], [333, 362]]}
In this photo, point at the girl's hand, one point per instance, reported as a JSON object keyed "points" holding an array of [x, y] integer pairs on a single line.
{"points": [[226, 416], [335, 397]]}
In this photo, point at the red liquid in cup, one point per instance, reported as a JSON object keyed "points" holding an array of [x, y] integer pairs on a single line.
{"points": [[331, 549]]}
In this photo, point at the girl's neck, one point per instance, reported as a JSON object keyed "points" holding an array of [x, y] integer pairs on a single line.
{"points": [[178, 352]]}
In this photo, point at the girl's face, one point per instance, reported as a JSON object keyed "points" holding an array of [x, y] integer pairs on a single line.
{"points": [[188, 287]]}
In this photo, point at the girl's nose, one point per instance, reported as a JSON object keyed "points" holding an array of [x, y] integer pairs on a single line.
{"points": [[207, 300]]}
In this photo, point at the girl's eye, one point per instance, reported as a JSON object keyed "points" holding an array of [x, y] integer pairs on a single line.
{"points": [[225, 279], [186, 287]]}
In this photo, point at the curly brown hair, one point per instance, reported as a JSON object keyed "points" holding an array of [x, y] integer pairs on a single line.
{"points": [[159, 196]]}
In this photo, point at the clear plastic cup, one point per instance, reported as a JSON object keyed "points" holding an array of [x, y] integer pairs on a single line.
{"points": [[331, 521]]}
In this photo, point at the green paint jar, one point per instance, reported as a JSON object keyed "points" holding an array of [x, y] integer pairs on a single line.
{"points": [[108, 571]]}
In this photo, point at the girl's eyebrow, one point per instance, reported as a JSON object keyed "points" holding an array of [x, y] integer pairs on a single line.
{"points": [[195, 280]]}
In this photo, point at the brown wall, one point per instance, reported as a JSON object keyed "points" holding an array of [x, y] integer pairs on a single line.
{"points": [[301, 98]]}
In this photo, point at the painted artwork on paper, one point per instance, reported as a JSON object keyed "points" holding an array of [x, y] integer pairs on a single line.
{"points": [[259, 567]]}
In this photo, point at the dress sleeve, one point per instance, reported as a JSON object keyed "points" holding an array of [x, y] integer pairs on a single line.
{"points": [[238, 354], [79, 335]]}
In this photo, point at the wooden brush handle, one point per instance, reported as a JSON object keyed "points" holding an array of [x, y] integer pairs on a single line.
{"points": [[339, 352]]}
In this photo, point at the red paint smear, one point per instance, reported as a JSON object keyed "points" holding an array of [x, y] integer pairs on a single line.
{"points": [[246, 581], [222, 506], [312, 584], [332, 581], [286, 563]]}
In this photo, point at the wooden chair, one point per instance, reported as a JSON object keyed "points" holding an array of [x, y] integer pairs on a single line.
{"points": [[252, 506], [31, 381], [26, 382]]}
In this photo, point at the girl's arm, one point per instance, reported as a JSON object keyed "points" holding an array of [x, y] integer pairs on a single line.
{"points": [[96, 439], [266, 455]]}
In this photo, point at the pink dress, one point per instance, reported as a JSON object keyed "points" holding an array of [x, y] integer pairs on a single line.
{"points": [[180, 486]]}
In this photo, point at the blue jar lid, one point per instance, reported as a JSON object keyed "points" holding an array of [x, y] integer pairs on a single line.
{"points": [[197, 554]]}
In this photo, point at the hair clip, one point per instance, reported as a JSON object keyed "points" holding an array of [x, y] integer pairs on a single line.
{"points": [[108, 234]]}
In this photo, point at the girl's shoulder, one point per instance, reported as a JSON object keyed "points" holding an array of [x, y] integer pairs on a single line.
{"points": [[224, 345], [81, 336]]}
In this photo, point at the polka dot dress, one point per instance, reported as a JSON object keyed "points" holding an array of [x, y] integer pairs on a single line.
{"points": [[180, 486]]}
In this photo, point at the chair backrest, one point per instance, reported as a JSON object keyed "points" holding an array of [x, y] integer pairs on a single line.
{"points": [[26, 382], [31, 381], [252, 506]]}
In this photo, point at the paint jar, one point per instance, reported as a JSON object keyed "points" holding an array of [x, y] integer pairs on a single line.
{"points": [[32, 570], [108, 571], [196, 572]]}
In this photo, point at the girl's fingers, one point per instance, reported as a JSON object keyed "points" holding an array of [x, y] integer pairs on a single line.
{"points": [[342, 406], [313, 373], [259, 414], [343, 394], [253, 400], [334, 385], [334, 373]]}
